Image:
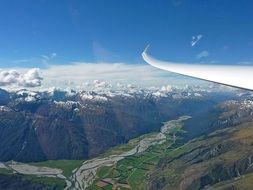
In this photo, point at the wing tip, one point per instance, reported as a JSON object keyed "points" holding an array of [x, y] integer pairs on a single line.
{"points": [[146, 49]]}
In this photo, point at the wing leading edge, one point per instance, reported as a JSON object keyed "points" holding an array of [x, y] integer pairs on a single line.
{"points": [[230, 75]]}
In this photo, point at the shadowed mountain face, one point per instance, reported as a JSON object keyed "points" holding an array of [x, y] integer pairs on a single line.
{"points": [[37, 126]]}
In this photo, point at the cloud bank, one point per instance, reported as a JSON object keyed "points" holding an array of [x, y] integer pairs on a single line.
{"points": [[31, 78], [81, 75], [85, 76]]}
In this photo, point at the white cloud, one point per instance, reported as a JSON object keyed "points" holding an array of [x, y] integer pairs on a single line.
{"points": [[82, 75], [101, 84], [195, 39], [31, 78], [166, 89], [202, 54]]}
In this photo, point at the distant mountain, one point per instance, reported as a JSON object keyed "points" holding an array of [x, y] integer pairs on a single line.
{"points": [[65, 124]]}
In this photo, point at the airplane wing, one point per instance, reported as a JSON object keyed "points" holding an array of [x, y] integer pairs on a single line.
{"points": [[240, 76]]}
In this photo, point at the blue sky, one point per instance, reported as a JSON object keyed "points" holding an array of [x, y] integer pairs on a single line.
{"points": [[45, 33], [117, 31]]}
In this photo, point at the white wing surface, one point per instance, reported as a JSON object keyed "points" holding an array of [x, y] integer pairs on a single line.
{"points": [[240, 76]]}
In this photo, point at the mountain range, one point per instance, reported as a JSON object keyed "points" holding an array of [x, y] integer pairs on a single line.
{"points": [[67, 124], [214, 152]]}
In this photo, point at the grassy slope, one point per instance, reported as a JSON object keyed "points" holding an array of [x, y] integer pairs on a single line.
{"points": [[244, 182], [185, 165]]}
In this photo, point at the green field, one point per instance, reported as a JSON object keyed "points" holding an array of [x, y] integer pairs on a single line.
{"points": [[5, 171], [135, 170]]}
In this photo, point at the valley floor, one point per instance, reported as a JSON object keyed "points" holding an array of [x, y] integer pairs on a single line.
{"points": [[219, 160], [135, 158]]}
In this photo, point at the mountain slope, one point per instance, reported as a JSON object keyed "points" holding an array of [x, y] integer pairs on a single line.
{"points": [[49, 125], [209, 161]]}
